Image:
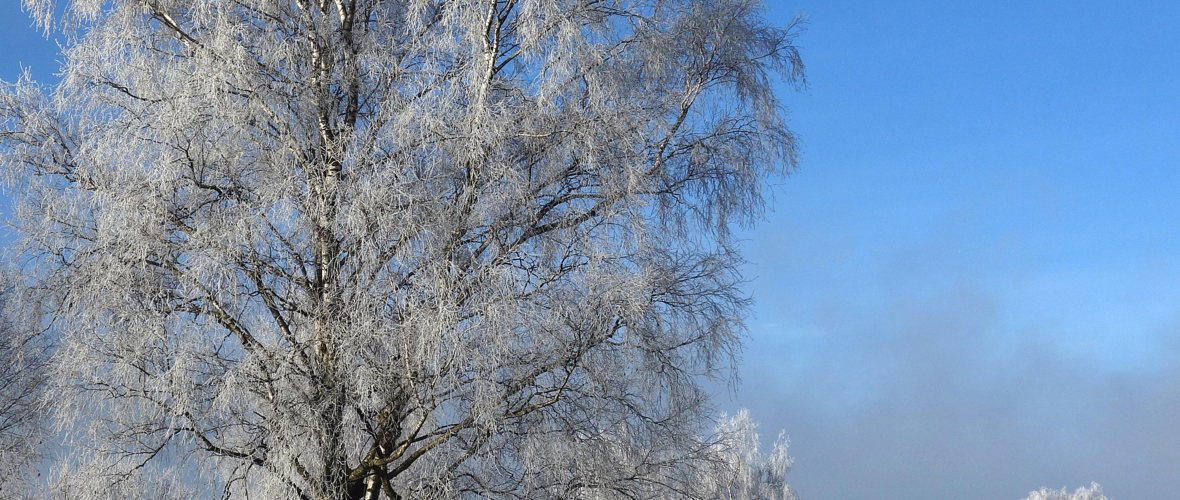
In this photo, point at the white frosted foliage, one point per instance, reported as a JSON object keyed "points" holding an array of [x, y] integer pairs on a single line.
{"points": [[1092, 492], [330, 249], [22, 383], [751, 474]]}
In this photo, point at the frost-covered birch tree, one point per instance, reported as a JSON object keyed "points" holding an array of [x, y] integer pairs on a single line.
{"points": [[330, 249]]}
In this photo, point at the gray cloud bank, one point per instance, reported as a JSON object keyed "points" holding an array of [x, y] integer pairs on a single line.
{"points": [[942, 394], [978, 346], [972, 358]]}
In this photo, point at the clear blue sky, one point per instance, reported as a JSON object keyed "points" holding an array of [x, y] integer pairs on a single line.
{"points": [[969, 290]]}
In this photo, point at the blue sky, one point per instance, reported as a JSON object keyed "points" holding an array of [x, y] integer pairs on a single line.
{"points": [[968, 290]]}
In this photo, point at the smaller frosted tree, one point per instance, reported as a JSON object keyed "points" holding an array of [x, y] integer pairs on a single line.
{"points": [[1093, 492], [749, 474]]}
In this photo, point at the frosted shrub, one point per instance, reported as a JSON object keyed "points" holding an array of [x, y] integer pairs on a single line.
{"points": [[1093, 492]]}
